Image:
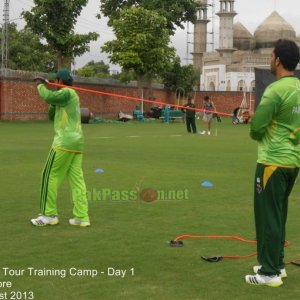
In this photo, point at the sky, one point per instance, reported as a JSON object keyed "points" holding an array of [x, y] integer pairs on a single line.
{"points": [[251, 13]]}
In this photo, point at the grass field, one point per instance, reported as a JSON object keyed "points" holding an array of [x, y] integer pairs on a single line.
{"points": [[128, 233]]}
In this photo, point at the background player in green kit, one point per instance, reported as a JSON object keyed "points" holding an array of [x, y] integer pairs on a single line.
{"points": [[190, 118], [276, 127], [65, 157]]}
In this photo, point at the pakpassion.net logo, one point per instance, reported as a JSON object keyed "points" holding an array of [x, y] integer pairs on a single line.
{"points": [[146, 195]]}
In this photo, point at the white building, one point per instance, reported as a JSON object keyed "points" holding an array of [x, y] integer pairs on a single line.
{"points": [[231, 66]]}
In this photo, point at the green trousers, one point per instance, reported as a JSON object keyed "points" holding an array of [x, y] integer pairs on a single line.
{"points": [[273, 186], [61, 164]]}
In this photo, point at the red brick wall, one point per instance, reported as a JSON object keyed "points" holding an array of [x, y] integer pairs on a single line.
{"points": [[19, 100], [225, 102]]}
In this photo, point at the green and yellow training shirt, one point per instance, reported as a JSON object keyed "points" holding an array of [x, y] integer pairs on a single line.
{"points": [[67, 120], [276, 124]]}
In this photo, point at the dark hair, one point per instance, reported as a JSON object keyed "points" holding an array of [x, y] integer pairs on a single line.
{"points": [[288, 53], [65, 81], [206, 98], [68, 82]]}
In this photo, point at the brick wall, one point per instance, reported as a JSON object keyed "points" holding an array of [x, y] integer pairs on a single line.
{"points": [[19, 100]]}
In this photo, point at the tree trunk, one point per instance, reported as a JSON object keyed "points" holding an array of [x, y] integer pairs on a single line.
{"points": [[150, 89], [140, 85], [62, 61]]}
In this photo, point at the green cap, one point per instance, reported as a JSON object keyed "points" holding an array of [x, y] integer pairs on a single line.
{"points": [[65, 76]]}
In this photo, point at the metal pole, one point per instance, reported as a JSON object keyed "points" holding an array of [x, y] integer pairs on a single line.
{"points": [[142, 101], [4, 54]]}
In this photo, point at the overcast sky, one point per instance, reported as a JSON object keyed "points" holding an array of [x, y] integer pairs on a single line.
{"points": [[250, 14]]}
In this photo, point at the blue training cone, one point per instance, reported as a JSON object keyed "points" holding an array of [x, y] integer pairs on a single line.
{"points": [[206, 184]]}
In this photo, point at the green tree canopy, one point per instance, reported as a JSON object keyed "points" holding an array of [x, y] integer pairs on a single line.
{"points": [[141, 43], [54, 21], [26, 52], [94, 69], [176, 12], [180, 77]]}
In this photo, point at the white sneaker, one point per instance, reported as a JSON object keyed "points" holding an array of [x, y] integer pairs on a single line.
{"points": [[273, 281], [80, 223], [283, 273], [201, 132], [44, 220]]}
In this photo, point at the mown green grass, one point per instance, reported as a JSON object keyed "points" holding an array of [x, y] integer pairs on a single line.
{"points": [[130, 233]]}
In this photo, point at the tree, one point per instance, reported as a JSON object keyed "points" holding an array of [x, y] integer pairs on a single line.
{"points": [[26, 52], [190, 78], [178, 76], [94, 69], [125, 76], [54, 21], [141, 43], [176, 12]]}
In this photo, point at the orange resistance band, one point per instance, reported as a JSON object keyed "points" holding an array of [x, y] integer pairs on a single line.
{"points": [[137, 99], [231, 237], [185, 236]]}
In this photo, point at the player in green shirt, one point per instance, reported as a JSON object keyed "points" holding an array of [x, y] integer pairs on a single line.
{"points": [[190, 116], [276, 127], [65, 157]]}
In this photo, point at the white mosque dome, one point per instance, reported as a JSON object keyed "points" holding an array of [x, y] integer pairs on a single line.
{"points": [[274, 27], [242, 38]]}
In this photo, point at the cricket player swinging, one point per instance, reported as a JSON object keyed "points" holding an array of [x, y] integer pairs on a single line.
{"points": [[65, 156]]}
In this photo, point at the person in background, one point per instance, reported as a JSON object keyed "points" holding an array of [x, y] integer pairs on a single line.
{"points": [[190, 115], [209, 111]]}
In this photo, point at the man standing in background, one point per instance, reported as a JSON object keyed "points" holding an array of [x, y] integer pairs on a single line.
{"points": [[190, 116]]}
